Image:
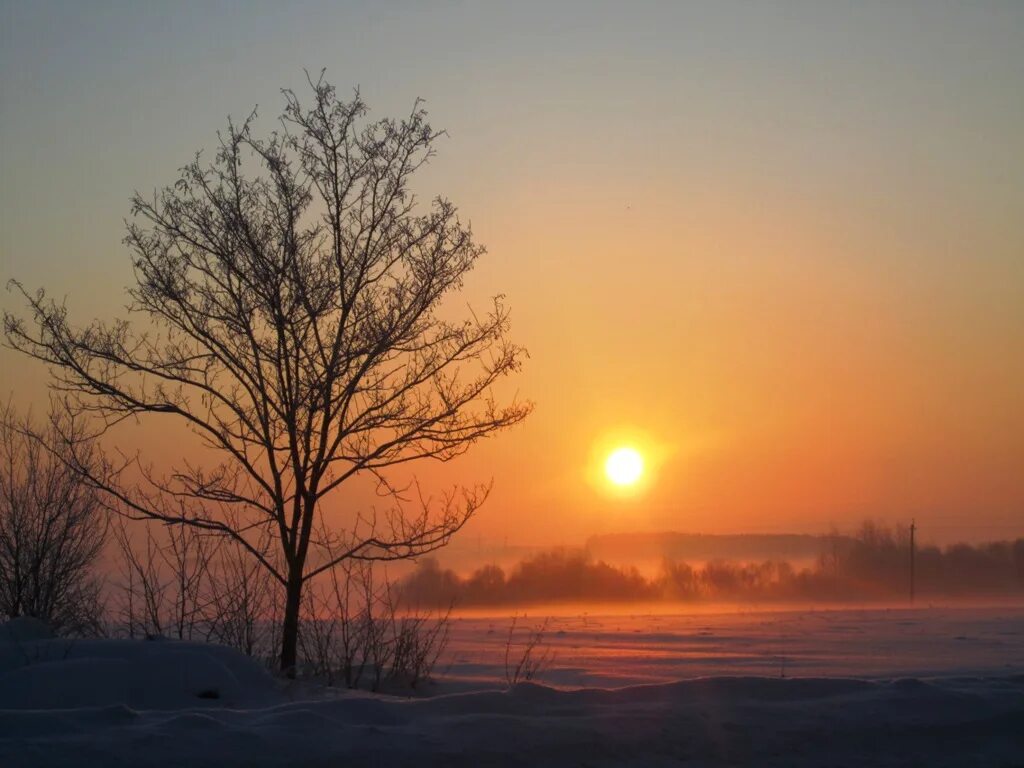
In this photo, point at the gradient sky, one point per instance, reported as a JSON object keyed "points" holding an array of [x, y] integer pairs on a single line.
{"points": [[779, 247]]}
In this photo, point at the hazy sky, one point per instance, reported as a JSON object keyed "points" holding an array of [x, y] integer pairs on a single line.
{"points": [[779, 247]]}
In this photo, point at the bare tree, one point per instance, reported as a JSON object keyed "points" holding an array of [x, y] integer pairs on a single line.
{"points": [[52, 527], [287, 305]]}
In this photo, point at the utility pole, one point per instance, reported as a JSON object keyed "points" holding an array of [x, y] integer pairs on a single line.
{"points": [[913, 527]]}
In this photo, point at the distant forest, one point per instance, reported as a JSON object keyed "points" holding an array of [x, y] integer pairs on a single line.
{"points": [[874, 564], [644, 547]]}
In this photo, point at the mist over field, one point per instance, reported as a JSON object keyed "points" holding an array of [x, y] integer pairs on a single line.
{"points": [[873, 565]]}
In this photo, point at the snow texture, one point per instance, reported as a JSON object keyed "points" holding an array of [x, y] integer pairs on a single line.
{"points": [[157, 703]]}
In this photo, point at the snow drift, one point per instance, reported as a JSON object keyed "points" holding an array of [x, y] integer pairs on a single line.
{"points": [[157, 703], [39, 672]]}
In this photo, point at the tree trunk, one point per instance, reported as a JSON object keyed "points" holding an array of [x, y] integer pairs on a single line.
{"points": [[290, 625]]}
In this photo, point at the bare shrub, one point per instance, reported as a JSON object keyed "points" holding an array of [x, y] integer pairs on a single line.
{"points": [[243, 598], [52, 526], [351, 630], [165, 584], [334, 632], [142, 595], [418, 640], [318, 638], [528, 659], [356, 632], [195, 586], [183, 583], [377, 648]]}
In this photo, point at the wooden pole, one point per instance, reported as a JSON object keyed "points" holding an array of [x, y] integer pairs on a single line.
{"points": [[913, 528]]}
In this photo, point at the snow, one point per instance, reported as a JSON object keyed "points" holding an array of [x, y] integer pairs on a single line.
{"points": [[66, 674], [936, 687], [632, 649], [24, 629]]}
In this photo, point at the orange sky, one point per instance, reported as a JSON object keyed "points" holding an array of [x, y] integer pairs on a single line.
{"points": [[780, 251]]}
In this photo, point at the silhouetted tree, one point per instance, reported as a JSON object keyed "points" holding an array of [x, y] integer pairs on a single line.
{"points": [[52, 527], [288, 293]]}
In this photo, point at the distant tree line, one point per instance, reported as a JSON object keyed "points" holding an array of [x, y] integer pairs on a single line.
{"points": [[874, 564]]}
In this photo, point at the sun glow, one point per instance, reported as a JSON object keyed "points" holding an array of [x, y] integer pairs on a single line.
{"points": [[624, 466]]}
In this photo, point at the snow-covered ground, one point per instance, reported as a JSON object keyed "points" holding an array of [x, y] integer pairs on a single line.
{"points": [[631, 649], [867, 687]]}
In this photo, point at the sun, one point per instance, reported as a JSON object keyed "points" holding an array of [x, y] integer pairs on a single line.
{"points": [[624, 466]]}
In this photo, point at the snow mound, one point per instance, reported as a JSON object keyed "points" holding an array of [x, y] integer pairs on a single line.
{"points": [[66, 674], [24, 629], [134, 704], [705, 722]]}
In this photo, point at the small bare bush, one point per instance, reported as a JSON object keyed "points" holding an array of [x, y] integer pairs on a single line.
{"points": [[356, 633], [242, 601], [418, 640], [527, 659], [184, 583], [165, 584], [180, 582]]}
